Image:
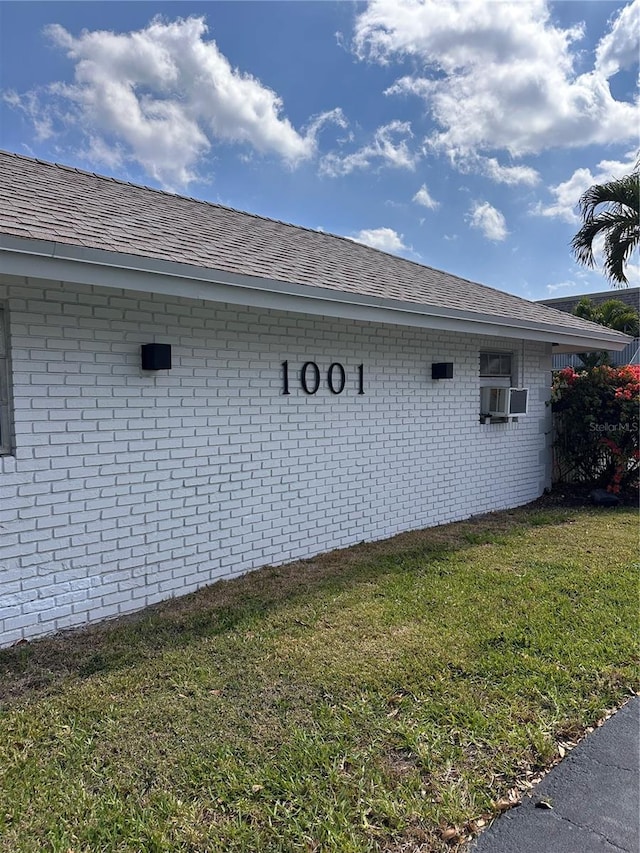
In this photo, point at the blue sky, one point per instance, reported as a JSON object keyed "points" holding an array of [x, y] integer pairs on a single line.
{"points": [[457, 134]]}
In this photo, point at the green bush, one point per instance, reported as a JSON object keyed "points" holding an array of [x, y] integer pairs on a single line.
{"points": [[596, 425]]}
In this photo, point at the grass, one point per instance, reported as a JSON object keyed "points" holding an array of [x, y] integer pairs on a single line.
{"points": [[366, 700]]}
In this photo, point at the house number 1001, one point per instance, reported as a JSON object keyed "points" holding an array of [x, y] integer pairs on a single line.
{"points": [[310, 378]]}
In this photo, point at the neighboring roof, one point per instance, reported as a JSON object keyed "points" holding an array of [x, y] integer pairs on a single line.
{"points": [[115, 222], [628, 295]]}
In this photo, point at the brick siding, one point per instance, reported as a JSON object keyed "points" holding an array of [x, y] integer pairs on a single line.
{"points": [[129, 487]]}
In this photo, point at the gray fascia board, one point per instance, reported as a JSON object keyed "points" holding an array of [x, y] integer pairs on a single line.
{"points": [[80, 265]]}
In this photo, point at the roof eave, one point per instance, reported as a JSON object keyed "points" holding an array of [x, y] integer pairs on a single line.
{"points": [[55, 261]]}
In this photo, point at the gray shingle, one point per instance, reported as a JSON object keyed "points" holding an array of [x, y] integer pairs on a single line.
{"points": [[62, 204]]}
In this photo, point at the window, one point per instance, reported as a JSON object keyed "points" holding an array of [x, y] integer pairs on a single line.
{"points": [[495, 364], [5, 420]]}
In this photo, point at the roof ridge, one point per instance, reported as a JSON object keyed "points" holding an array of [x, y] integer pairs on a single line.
{"points": [[67, 168], [100, 176], [612, 293]]}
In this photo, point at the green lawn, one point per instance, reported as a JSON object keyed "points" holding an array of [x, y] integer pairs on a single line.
{"points": [[365, 700]]}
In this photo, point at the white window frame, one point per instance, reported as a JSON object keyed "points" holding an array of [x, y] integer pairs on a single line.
{"points": [[5, 395]]}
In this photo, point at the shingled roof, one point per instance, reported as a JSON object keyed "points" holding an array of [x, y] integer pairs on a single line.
{"points": [[629, 295], [41, 201]]}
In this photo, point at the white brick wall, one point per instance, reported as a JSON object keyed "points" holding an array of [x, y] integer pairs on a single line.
{"points": [[128, 487]]}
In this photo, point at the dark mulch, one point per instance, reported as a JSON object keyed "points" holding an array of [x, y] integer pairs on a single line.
{"points": [[579, 494]]}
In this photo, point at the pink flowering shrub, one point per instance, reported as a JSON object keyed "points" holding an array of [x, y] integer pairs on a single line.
{"points": [[596, 419]]}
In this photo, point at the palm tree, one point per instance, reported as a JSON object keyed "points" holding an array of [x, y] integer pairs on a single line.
{"points": [[614, 314], [613, 210]]}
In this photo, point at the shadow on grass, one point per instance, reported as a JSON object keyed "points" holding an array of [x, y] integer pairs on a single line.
{"points": [[45, 665]]}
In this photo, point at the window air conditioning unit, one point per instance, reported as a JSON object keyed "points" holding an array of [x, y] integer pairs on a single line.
{"points": [[504, 402]]}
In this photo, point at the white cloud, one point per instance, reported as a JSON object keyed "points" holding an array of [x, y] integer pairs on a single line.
{"points": [[498, 75], [97, 150], [423, 197], [619, 48], [633, 274], [509, 175], [418, 86], [567, 193], [389, 147], [563, 286], [566, 196], [317, 123], [489, 220], [495, 171], [385, 239], [41, 116], [165, 94]]}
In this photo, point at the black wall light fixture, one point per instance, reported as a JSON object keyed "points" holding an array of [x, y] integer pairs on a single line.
{"points": [[442, 370], [156, 356]]}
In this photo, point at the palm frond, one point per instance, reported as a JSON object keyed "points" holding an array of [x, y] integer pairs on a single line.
{"points": [[619, 243], [612, 210], [582, 243], [624, 192]]}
